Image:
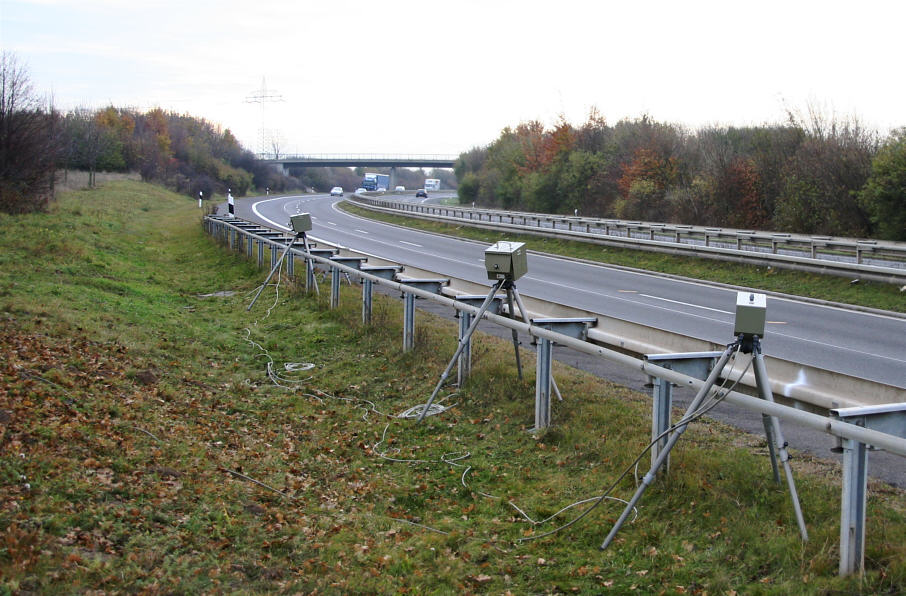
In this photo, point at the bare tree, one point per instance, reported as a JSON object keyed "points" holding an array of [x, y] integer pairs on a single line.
{"points": [[28, 141], [87, 141]]}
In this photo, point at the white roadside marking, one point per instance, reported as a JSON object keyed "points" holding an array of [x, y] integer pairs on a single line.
{"points": [[726, 312]]}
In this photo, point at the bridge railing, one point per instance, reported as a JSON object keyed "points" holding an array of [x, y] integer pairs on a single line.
{"points": [[356, 156]]}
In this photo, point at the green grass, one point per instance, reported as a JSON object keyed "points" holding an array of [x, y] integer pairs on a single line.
{"points": [[130, 406], [824, 287]]}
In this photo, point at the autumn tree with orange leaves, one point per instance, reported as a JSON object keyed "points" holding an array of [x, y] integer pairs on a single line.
{"points": [[806, 175]]}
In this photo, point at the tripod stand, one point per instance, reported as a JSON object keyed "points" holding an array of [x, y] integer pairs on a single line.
{"points": [[745, 344], [512, 293], [308, 263]]}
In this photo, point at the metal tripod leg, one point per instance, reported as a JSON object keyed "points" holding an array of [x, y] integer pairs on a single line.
{"points": [[763, 383], [671, 441], [772, 451], [459, 348], [273, 270], [510, 290]]}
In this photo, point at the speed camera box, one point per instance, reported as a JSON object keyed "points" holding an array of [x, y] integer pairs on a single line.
{"points": [[506, 260], [751, 311], [301, 222]]}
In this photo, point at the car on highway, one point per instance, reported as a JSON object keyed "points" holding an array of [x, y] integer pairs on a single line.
{"points": [[420, 193], [336, 191], [360, 190], [399, 189]]}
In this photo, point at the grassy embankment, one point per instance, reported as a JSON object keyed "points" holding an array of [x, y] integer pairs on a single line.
{"points": [[824, 287], [144, 449]]}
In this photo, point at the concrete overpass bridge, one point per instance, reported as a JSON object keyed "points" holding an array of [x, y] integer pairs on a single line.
{"points": [[359, 160]]}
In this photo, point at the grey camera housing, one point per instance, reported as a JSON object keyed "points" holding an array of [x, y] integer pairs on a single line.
{"points": [[506, 260], [300, 223], [751, 311]]}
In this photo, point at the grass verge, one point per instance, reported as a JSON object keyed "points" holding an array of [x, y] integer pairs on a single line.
{"points": [[145, 449], [824, 287]]}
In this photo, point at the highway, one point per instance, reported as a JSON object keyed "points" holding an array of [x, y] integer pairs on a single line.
{"points": [[863, 345]]}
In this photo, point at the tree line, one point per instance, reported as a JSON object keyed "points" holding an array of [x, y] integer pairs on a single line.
{"points": [[186, 153], [183, 152], [811, 174]]}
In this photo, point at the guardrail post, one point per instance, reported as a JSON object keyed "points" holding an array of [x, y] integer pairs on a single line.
{"points": [[260, 253], [334, 287], [309, 275], [852, 506], [274, 254], [408, 322], [575, 327], [433, 285], [694, 364], [384, 272], [291, 264], [465, 358], [887, 418], [465, 321], [367, 293], [543, 384]]}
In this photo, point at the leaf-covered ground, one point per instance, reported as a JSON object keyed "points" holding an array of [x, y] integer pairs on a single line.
{"points": [[145, 447]]}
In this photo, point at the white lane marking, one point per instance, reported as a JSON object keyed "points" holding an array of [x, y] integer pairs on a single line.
{"points": [[270, 221], [837, 347], [361, 231], [733, 290], [331, 223], [726, 312], [620, 298], [411, 244]]}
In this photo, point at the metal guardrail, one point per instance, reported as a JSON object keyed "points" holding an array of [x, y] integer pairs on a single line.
{"points": [[856, 439], [874, 260], [217, 226]]}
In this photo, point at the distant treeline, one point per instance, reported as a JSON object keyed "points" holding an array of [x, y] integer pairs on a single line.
{"points": [[186, 153], [810, 175]]}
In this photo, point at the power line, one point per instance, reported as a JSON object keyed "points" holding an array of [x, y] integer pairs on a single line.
{"points": [[268, 138]]}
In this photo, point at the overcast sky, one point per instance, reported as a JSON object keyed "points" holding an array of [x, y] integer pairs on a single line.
{"points": [[426, 77]]}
